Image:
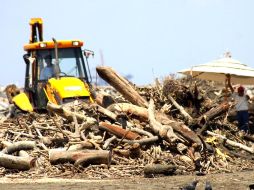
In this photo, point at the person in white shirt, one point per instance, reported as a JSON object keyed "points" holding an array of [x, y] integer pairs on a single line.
{"points": [[242, 105], [48, 71]]}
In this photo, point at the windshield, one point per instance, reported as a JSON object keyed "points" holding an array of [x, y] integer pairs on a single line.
{"points": [[70, 63]]}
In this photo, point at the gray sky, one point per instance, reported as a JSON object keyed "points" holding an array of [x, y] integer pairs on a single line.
{"points": [[144, 38]]}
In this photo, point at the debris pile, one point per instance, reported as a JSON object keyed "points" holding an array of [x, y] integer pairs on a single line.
{"points": [[174, 127]]}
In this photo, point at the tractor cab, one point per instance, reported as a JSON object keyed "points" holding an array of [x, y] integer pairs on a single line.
{"points": [[70, 63]]}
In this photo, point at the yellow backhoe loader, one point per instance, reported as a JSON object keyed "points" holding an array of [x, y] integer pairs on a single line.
{"points": [[56, 71]]}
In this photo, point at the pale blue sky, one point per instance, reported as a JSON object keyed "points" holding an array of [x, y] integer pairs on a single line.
{"points": [[144, 38]]}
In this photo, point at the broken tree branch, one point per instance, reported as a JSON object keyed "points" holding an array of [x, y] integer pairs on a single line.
{"points": [[181, 109]]}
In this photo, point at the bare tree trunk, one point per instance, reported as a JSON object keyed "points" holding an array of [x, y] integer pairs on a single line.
{"points": [[122, 85]]}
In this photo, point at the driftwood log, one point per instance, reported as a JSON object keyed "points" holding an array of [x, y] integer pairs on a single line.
{"points": [[118, 131], [153, 169], [121, 85], [17, 146], [221, 108], [212, 113], [79, 157], [129, 109], [16, 162]]}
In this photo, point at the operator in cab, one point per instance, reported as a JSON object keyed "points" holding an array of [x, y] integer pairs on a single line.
{"points": [[48, 71]]}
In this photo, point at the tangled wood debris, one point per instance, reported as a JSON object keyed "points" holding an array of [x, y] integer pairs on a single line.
{"points": [[172, 128]]}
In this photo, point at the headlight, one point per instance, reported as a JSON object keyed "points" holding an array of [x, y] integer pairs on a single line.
{"points": [[75, 43], [43, 45]]}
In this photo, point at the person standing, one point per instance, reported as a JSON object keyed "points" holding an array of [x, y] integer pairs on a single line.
{"points": [[242, 105]]}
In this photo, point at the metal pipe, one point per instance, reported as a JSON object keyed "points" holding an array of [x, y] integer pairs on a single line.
{"points": [[57, 68]]}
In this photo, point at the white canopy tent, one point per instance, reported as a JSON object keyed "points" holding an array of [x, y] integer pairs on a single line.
{"points": [[216, 70]]}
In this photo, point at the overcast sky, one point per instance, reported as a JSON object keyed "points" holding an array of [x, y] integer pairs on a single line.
{"points": [[144, 38]]}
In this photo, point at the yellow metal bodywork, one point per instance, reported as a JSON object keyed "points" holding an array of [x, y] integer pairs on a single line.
{"points": [[66, 87], [22, 101], [35, 20]]}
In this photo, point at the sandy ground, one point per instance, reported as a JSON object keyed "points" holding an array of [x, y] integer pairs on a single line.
{"points": [[240, 180]]}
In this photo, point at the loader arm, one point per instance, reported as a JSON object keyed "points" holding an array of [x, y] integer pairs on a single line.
{"points": [[36, 30]]}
